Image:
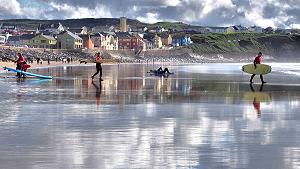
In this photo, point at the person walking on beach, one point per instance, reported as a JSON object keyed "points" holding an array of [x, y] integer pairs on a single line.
{"points": [[98, 60], [257, 60]]}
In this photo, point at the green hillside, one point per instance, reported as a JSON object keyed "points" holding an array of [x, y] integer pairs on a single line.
{"points": [[245, 43]]}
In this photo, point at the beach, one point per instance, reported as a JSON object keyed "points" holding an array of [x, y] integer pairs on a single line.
{"points": [[203, 116]]}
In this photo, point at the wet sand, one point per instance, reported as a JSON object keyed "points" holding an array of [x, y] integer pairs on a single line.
{"points": [[204, 116]]}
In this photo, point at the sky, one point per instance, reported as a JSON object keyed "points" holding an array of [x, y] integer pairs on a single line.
{"points": [[264, 13]]}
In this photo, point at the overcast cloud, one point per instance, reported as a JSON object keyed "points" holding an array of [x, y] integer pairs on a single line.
{"points": [[275, 13]]}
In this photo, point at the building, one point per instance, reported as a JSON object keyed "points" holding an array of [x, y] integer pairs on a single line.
{"points": [[2, 39], [157, 42], [87, 41], [26, 39], [181, 40], [43, 41], [232, 29], [166, 39], [123, 24], [51, 29], [68, 40], [6, 26], [79, 31], [109, 41], [96, 39], [14, 40], [236, 28], [255, 29], [149, 44], [127, 41]]}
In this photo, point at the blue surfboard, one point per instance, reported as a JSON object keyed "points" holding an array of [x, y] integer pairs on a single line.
{"points": [[28, 73]]}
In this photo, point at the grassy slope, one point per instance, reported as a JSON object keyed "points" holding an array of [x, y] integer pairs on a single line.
{"points": [[243, 43]]}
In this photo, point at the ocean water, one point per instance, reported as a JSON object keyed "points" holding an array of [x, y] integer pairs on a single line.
{"points": [[204, 116]]}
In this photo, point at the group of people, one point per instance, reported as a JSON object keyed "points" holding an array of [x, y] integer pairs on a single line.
{"points": [[22, 65]]}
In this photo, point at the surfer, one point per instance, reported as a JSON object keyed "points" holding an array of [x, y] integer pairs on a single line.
{"points": [[98, 60], [257, 60], [21, 65], [160, 71]]}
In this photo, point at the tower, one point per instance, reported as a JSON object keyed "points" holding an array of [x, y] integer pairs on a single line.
{"points": [[123, 24]]}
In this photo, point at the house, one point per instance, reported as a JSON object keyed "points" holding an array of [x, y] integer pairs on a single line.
{"points": [[108, 41], [2, 39], [87, 41], [26, 39], [232, 29], [217, 29], [166, 39], [79, 31], [255, 29], [181, 40], [14, 40], [51, 29], [155, 39], [149, 44], [236, 28], [157, 42], [127, 41], [43, 41], [7, 26], [68, 40], [269, 30], [96, 39]]}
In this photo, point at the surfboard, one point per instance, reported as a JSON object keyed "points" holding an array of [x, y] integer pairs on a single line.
{"points": [[28, 73], [261, 69]]}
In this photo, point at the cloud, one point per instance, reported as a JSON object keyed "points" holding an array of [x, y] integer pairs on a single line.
{"points": [[10, 8], [264, 13]]}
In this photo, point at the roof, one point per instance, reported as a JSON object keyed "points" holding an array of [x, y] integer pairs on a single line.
{"points": [[47, 26], [27, 36], [49, 37], [75, 30], [13, 38], [164, 35], [72, 35], [123, 35]]}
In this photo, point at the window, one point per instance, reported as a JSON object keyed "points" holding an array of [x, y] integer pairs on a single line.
{"points": [[43, 41]]}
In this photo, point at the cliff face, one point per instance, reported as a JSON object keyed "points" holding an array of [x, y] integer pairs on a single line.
{"points": [[276, 47]]}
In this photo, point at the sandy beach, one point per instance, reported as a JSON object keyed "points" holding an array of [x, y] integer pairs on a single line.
{"points": [[203, 110]]}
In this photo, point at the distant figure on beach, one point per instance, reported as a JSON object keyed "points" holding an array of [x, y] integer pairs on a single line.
{"points": [[257, 60], [21, 65], [256, 100], [38, 60], [98, 59], [160, 70]]}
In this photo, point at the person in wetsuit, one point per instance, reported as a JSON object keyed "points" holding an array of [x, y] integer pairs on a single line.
{"points": [[257, 60], [98, 60]]}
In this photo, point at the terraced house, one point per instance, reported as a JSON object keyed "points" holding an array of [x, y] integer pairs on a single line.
{"points": [[68, 40], [43, 41]]}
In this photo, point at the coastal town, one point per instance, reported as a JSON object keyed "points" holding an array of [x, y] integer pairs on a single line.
{"points": [[59, 41]]}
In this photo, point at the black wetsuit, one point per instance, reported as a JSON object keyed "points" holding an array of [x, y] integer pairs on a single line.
{"points": [[99, 69]]}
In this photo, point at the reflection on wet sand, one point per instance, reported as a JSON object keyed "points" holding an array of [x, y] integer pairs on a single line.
{"points": [[188, 120]]}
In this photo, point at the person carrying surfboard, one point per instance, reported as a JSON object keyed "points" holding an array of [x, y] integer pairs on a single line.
{"points": [[257, 60], [21, 65], [98, 60]]}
